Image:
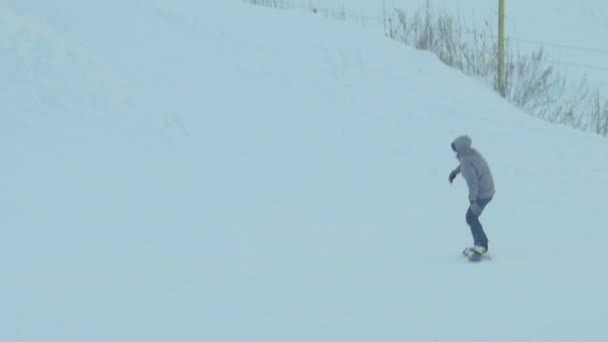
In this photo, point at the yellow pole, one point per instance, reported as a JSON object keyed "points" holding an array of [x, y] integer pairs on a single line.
{"points": [[501, 47]]}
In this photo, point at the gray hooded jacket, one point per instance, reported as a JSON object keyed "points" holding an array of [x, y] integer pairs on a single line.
{"points": [[474, 169]]}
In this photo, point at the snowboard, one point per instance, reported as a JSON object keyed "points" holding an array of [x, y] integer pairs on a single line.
{"points": [[478, 258]]}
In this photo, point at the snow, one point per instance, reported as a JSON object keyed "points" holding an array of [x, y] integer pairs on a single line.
{"points": [[214, 171]]}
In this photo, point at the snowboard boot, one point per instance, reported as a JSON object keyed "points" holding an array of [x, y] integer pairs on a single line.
{"points": [[479, 249], [474, 251]]}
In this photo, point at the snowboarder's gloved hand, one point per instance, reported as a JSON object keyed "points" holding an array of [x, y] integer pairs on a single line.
{"points": [[453, 175], [475, 208]]}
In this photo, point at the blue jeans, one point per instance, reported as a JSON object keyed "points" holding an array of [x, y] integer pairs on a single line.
{"points": [[479, 236]]}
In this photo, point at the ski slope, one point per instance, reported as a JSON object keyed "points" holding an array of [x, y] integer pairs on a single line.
{"points": [[214, 171]]}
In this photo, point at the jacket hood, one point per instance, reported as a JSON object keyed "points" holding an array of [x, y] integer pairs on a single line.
{"points": [[462, 144]]}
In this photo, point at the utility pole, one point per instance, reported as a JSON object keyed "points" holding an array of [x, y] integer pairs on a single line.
{"points": [[501, 47]]}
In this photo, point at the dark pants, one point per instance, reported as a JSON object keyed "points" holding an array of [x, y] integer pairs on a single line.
{"points": [[479, 236]]}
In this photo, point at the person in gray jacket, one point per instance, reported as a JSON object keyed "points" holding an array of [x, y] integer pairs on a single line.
{"points": [[476, 172]]}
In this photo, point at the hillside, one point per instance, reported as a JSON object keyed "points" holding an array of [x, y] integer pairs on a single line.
{"points": [[214, 171]]}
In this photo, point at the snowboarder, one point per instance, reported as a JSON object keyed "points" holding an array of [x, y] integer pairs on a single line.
{"points": [[476, 172]]}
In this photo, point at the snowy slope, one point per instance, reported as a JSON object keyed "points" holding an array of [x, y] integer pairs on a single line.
{"points": [[212, 171]]}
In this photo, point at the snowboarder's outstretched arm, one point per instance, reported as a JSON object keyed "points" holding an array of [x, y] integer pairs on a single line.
{"points": [[454, 173]]}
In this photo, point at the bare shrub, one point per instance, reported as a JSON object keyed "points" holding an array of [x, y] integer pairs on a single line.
{"points": [[600, 115], [468, 50], [270, 3]]}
